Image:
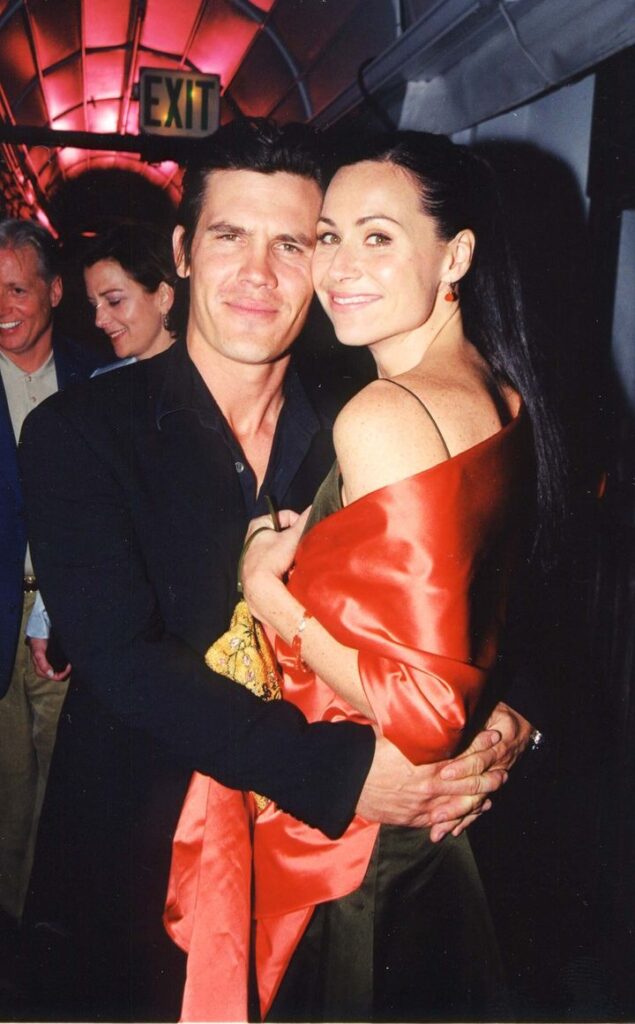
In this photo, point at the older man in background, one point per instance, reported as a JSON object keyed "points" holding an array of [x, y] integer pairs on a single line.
{"points": [[35, 361]]}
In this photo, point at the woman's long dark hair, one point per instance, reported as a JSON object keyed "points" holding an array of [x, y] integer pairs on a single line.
{"points": [[458, 189]]}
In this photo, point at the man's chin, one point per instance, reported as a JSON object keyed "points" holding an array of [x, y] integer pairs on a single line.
{"points": [[253, 352]]}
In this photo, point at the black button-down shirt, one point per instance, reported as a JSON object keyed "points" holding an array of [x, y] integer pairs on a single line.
{"points": [[297, 427]]}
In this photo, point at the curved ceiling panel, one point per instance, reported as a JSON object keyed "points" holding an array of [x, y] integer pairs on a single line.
{"points": [[170, 35], [264, 66], [18, 66], [222, 38], [73, 65], [55, 29], [104, 73], [325, 21], [105, 23], [62, 87]]}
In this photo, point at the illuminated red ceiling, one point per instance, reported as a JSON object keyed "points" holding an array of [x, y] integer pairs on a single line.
{"points": [[73, 64]]}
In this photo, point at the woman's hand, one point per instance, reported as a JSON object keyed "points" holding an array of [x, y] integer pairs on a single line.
{"points": [[269, 557]]}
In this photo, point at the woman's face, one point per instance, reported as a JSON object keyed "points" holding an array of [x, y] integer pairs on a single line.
{"points": [[131, 316], [378, 262]]}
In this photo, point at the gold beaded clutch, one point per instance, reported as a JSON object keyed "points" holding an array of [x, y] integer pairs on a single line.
{"points": [[244, 655]]}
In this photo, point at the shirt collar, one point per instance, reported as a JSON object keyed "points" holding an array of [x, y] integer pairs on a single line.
{"points": [[19, 373], [184, 390]]}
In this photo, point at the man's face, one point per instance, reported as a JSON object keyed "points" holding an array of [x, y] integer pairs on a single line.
{"points": [[27, 301], [250, 265]]}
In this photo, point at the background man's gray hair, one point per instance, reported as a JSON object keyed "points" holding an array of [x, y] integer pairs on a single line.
{"points": [[15, 234]]}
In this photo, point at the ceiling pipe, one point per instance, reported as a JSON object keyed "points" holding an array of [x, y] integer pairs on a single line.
{"points": [[438, 74], [389, 69], [253, 12], [19, 157], [192, 36], [36, 60], [153, 148], [10, 11], [82, 45], [126, 97]]}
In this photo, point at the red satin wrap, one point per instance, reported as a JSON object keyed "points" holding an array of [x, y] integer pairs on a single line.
{"points": [[413, 576]]}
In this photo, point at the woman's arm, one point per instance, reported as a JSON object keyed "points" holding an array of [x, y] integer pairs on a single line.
{"points": [[266, 561], [381, 436]]}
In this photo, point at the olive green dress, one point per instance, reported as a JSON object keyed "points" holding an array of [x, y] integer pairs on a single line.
{"points": [[414, 943]]}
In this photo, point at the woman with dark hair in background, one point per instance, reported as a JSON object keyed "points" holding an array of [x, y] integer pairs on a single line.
{"points": [[129, 275], [396, 594]]}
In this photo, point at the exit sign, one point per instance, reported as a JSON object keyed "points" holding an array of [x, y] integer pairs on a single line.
{"points": [[178, 103]]}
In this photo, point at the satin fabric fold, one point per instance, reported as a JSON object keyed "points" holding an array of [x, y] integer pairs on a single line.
{"points": [[208, 905], [413, 576]]}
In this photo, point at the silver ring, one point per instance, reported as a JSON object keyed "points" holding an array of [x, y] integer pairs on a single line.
{"points": [[536, 740]]}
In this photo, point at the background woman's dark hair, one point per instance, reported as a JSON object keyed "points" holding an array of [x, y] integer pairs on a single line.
{"points": [[248, 144], [144, 252], [458, 189]]}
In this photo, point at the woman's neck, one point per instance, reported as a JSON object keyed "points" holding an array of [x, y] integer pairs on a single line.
{"points": [[399, 354]]}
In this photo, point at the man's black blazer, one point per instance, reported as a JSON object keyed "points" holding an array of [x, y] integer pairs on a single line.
{"points": [[136, 519]]}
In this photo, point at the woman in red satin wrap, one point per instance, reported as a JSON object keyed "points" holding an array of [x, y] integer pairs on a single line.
{"points": [[391, 613]]}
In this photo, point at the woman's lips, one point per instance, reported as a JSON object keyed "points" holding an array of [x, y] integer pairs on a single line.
{"points": [[342, 301]]}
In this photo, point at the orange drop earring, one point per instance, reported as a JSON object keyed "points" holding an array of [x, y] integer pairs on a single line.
{"points": [[450, 295]]}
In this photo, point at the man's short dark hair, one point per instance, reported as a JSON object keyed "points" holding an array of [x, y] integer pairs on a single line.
{"points": [[15, 234], [248, 144]]}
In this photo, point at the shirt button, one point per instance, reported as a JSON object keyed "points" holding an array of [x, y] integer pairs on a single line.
{"points": [[240, 466], [33, 399], [28, 379]]}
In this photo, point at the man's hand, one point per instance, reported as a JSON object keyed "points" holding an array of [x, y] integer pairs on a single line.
{"points": [[397, 792], [40, 662]]}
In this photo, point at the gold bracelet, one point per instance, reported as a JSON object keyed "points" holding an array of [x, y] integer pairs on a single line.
{"points": [[296, 641]]}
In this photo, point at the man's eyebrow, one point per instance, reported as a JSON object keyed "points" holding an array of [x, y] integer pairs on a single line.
{"points": [[298, 239], [226, 228]]}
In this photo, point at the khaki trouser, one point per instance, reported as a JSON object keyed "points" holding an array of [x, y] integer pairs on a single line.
{"points": [[29, 713]]}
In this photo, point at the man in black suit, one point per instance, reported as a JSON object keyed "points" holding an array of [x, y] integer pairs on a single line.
{"points": [[136, 533], [35, 361]]}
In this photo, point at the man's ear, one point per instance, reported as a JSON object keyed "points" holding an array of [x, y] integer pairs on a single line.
{"points": [[56, 290], [459, 255], [182, 268]]}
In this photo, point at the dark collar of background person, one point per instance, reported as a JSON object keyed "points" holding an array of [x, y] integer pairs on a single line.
{"points": [[73, 362]]}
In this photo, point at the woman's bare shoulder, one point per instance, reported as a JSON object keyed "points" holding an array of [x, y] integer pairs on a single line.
{"points": [[383, 435]]}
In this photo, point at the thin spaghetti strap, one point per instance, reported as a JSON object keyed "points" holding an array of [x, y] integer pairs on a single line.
{"points": [[425, 409]]}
